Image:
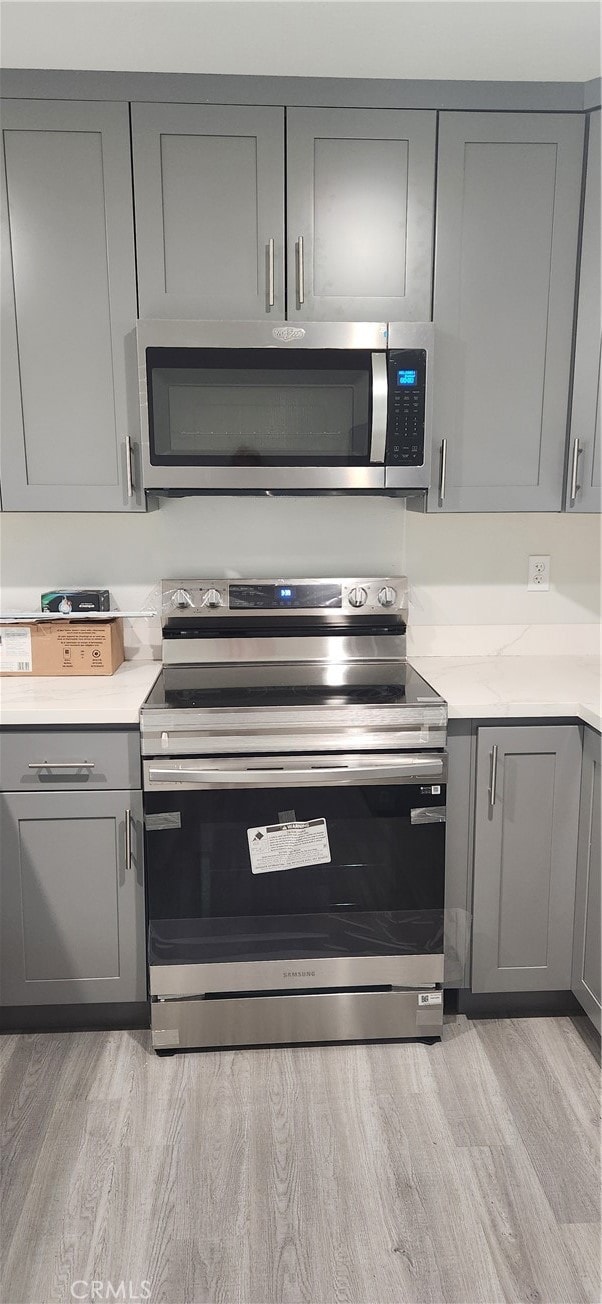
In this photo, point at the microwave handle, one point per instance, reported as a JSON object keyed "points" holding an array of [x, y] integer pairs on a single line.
{"points": [[380, 400]]}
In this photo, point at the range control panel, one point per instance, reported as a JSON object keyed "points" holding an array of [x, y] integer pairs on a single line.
{"points": [[192, 598], [406, 407]]}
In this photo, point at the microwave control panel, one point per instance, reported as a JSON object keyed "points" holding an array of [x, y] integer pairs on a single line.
{"points": [[406, 407]]}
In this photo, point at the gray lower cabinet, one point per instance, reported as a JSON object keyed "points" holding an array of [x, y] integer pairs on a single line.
{"points": [[584, 482], [72, 898], [69, 391], [209, 192], [525, 849], [587, 951], [458, 852], [508, 209], [360, 201]]}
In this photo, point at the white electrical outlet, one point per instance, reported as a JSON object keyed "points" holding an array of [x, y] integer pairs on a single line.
{"points": [[539, 574]]}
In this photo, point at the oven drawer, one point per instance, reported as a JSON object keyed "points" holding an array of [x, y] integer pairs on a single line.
{"points": [[68, 759], [285, 1020]]}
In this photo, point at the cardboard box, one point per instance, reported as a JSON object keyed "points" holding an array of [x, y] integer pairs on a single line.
{"points": [[61, 647]]}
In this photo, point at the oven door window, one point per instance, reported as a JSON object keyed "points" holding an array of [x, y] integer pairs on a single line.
{"points": [[259, 407], [381, 892]]}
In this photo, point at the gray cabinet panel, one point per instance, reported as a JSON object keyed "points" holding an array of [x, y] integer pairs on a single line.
{"points": [[587, 396], [587, 949], [209, 191], [458, 849], [525, 858], [68, 307], [72, 919], [360, 194], [114, 757], [508, 200]]}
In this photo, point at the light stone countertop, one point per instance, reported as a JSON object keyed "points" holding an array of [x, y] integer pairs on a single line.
{"points": [[481, 687], [78, 700], [474, 687]]}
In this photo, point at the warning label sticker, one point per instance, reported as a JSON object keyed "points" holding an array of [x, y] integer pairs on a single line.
{"points": [[274, 847]]}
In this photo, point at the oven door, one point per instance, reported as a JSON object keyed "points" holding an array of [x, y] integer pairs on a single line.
{"points": [[278, 873], [263, 412]]}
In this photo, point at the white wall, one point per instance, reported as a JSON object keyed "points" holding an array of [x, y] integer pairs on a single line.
{"points": [[463, 570], [254, 537], [472, 569], [455, 39]]}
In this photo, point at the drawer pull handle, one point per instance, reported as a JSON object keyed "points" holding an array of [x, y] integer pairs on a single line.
{"points": [[61, 765]]}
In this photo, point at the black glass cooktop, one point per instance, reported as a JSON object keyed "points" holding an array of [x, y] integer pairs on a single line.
{"points": [[377, 684]]}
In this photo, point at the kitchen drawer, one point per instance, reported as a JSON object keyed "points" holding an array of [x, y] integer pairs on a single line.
{"points": [[112, 756]]}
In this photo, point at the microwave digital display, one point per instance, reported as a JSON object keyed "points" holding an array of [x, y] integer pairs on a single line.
{"points": [[407, 377]]}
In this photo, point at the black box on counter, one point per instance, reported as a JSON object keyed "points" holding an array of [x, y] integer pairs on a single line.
{"points": [[76, 601]]}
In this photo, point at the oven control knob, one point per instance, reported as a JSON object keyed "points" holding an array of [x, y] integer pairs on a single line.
{"points": [[212, 598], [182, 598], [358, 596], [387, 596]]}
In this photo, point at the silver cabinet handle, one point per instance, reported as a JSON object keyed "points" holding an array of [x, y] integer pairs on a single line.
{"points": [[271, 273], [61, 765], [129, 476], [492, 775], [577, 451], [442, 469], [300, 271], [128, 839]]}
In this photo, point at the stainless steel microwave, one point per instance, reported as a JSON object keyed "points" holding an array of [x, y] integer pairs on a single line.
{"points": [[249, 406]]}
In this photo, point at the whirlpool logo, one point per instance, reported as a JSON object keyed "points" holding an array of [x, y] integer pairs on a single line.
{"points": [[299, 973], [288, 333]]}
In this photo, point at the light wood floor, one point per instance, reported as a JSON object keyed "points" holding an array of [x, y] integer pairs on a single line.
{"points": [[464, 1171]]}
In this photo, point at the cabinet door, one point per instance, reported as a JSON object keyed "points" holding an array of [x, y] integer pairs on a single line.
{"points": [[584, 483], [69, 400], [72, 920], [360, 194], [209, 192], [508, 202], [587, 951], [526, 815]]}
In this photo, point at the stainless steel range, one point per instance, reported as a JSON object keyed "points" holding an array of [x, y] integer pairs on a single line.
{"points": [[294, 792]]}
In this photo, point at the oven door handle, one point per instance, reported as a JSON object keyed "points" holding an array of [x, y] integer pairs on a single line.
{"points": [[399, 771]]}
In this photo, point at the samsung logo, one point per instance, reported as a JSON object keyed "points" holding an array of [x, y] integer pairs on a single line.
{"points": [[288, 333], [299, 973]]}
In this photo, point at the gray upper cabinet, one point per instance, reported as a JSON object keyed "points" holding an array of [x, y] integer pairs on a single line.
{"points": [[69, 394], [526, 818], [72, 918], [360, 196], [587, 950], [508, 207], [209, 196], [584, 482]]}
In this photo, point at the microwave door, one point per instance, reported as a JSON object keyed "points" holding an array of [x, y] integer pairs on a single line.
{"points": [[380, 403]]}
